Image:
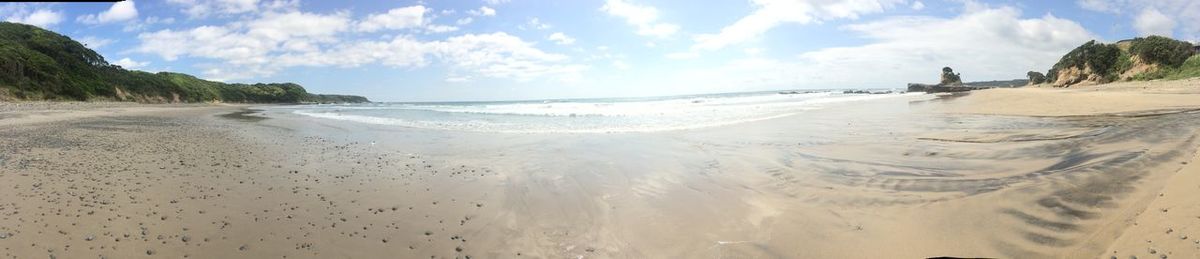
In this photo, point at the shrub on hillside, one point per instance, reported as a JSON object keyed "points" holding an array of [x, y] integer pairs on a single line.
{"points": [[1189, 69], [1036, 77], [1161, 50], [36, 64], [1103, 59]]}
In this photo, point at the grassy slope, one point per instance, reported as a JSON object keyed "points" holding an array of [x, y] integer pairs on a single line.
{"points": [[1189, 69]]}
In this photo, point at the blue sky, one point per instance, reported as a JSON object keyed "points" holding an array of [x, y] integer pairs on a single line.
{"points": [[526, 49]]}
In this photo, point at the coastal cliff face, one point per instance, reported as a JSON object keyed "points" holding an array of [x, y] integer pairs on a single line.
{"points": [[37, 64], [1075, 76]]}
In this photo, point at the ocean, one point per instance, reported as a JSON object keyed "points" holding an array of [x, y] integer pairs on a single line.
{"points": [[601, 115]]}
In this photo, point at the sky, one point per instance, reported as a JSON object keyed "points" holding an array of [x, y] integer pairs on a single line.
{"points": [[478, 50]]}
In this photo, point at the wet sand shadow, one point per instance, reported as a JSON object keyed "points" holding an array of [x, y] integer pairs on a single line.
{"points": [[1091, 167], [941, 97], [246, 115]]}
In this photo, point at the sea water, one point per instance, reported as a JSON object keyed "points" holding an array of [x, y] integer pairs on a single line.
{"points": [[608, 115]]}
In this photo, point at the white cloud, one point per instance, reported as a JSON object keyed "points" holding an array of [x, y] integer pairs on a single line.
{"points": [[500, 55], [147, 22], [534, 23], [1100, 5], [395, 19], [561, 39], [1155, 15], [250, 45], [275, 41], [464, 21], [771, 13], [411, 17], [683, 55], [281, 5], [494, 55], [119, 11], [643, 18], [917, 5], [752, 51], [94, 43], [204, 8], [130, 64], [297, 25], [41, 18], [438, 28], [483, 11], [912, 49], [1153, 22], [620, 65]]}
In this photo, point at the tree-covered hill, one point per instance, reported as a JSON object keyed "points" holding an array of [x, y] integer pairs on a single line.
{"points": [[1153, 57], [37, 64]]}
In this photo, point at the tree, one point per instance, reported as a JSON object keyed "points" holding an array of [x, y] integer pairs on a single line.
{"points": [[1161, 50], [1036, 77], [949, 77]]}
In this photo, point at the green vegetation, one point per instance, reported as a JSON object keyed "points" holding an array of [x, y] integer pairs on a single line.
{"points": [[1189, 69], [1036, 77], [37, 64], [949, 77], [1161, 50], [1154, 57], [1101, 58]]}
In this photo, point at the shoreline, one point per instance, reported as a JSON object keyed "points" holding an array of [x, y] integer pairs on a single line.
{"points": [[965, 173]]}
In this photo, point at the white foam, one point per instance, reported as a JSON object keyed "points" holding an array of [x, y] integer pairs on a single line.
{"points": [[509, 128]]}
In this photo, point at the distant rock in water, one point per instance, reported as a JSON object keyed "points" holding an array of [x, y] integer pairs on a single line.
{"points": [[999, 83], [797, 92], [952, 82], [866, 92]]}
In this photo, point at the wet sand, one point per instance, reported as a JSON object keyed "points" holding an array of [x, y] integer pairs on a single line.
{"points": [[1011, 173]]}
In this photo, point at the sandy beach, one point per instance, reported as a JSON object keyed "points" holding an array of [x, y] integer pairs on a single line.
{"points": [[1100, 171]]}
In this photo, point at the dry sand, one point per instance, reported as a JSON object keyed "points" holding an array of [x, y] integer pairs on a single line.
{"points": [[1011, 173], [1125, 97]]}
